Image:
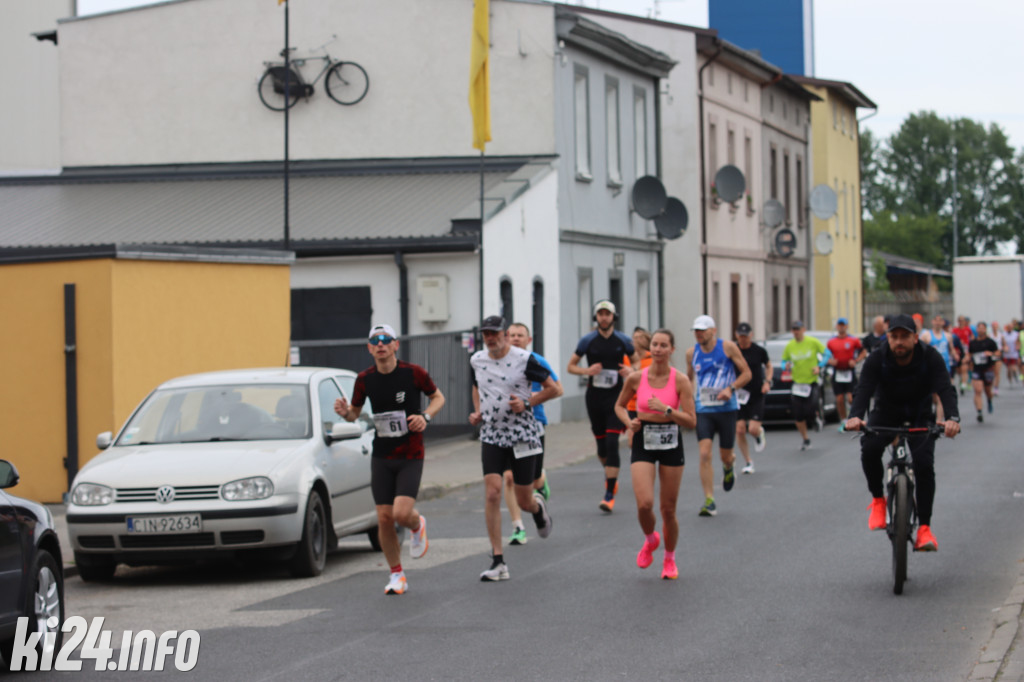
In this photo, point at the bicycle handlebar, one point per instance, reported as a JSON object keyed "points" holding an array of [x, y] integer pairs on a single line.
{"points": [[933, 430]]}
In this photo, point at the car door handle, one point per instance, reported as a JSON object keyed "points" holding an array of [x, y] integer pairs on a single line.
{"points": [[366, 450]]}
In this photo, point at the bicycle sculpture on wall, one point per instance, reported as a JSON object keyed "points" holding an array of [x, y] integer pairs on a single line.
{"points": [[346, 82]]}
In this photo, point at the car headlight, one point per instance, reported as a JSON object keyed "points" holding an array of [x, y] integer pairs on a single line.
{"points": [[92, 495], [255, 488]]}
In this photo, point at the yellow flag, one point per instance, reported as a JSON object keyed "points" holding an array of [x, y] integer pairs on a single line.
{"points": [[479, 75]]}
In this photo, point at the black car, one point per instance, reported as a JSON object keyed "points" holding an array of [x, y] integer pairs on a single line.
{"points": [[31, 568], [778, 407]]}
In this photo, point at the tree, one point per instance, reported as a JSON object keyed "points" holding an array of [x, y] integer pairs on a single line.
{"points": [[919, 238], [872, 198]]}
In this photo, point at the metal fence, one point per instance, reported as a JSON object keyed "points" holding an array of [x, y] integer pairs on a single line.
{"points": [[907, 302], [443, 355]]}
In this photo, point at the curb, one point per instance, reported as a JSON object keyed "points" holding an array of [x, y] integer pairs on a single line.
{"points": [[995, 660]]}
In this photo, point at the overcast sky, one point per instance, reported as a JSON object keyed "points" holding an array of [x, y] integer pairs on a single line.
{"points": [[949, 56]]}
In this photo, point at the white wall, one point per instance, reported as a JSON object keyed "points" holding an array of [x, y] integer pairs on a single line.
{"points": [[987, 290], [176, 82]]}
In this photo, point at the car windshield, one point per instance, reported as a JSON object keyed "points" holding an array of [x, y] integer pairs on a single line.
{"points": [[221, 413]]}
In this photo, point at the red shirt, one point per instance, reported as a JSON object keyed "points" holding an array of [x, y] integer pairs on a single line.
{"points": [[964, 333], [844, 350]]}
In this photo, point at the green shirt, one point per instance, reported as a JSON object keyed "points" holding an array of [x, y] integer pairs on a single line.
{"points": [[804, 358]]}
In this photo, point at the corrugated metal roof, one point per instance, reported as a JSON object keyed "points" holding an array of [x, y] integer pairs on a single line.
{"points": [[225, 210]]}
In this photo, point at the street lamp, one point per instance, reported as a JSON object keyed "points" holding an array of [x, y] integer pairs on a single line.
{"points": [[955, 206]]}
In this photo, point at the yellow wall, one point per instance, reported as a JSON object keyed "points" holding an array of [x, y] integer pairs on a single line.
{"points": [[139, 323], [837, 161]]}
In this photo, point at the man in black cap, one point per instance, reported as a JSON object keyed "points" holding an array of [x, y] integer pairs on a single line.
{"points": [[902, 376], [751, 396]]}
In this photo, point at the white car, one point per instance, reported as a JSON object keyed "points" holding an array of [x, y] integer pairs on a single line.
{"points": [[223, 462]]}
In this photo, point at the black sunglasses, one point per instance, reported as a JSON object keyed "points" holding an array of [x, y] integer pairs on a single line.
{"points": [[381, 338]]}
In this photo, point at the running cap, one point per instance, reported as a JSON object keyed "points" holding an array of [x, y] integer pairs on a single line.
{"points": [[842, 320], [903, 322], [703, 323], [605, 305], [797, 324], [383, 329], [493, 323], [744, 329]]}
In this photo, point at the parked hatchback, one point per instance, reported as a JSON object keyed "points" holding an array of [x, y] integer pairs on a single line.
{"points": [[210, 465]]}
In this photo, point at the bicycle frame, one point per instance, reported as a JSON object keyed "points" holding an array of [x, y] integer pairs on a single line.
{"points": [[900, 464]]}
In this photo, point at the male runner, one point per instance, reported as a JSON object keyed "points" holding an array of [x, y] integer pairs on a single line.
{"points": [[604, 349], [716, 368], [965, 334], [509, 433], [393, 388], [806, 355], [941, 341], [1011, 352], [902, 378], [983, 354], [751, 397], [846, 352], [876, 336], [519, 336]]}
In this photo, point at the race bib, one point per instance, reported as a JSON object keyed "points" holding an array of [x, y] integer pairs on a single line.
{"points": [[661, 436], [844, 376], [709, 396], [606, 378], [525, 448], [742, 396], [980, 359], [391, 424], [801, 390]]}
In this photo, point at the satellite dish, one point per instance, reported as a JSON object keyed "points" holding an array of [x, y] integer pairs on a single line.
{"points": [[785, 243], [730, 183], [773, 212], [823, 202], [823, 243], [672, 223], [649, 197]]}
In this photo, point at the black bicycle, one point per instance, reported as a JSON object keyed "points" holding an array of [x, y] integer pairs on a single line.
{"points": [[899, 488], [280, 88]]}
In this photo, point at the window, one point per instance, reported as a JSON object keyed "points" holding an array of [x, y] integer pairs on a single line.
{"points": [[538, 316], [728, 82], [775, 307], [615, 296], [712, 149], [750, 302], [800, 211], [748, 161], [746, 91], [611, 122], [734, 295], [855, 313], [640, 131], [839, 302], [835, 115], [582, 122], [716, 300], [846, 217], [730, 146], [836, 181], [847, 315], [711, 75], [329, 313], [785, 187], [842, 121], [505, 289], [771, 103], [785, 110], [328, 392], [789, 303], [585, 299], [800, 301], [773, 172], [643, 300]]}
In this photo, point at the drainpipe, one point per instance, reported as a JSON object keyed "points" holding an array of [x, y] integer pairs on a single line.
{"points": [[703, 175], [403, 292], [657, 168]]}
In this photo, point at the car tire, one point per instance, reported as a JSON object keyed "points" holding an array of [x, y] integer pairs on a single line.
{"points": [[311, 552], [45, 600], [374, 535], [95, 567]]}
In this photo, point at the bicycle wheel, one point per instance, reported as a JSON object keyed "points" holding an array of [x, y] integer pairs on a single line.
{"points": [[900, 532], [347, 83], [272, 91]]}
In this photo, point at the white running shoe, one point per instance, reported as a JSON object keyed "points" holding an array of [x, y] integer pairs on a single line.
{"points": [[761, 441], [418, 543], [541, 517], [497, 571], [398, 584], [749, 469]]}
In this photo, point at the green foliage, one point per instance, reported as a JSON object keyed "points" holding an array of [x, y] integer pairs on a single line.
{"points": [[908, 236], [881, 281]]}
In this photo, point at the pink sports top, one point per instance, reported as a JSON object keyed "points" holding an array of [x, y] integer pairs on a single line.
{"points": [[667, 393]]}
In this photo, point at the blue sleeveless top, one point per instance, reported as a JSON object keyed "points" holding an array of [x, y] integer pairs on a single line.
{"points": [[714, 371], [941, 344]]}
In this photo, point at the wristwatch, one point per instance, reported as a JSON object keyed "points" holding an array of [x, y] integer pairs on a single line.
{"points": [[953, 419], [668, 411], [426, 417]]}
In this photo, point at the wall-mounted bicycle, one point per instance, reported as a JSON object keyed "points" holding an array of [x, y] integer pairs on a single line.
{"points": [[346, 82]]}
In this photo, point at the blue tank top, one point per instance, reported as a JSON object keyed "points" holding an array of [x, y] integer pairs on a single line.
{"points": [[714, 371], [941, 344]]}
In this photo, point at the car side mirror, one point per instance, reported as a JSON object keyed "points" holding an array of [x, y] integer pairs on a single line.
{"points": [[8, 474], [104, 440], [344, 431]]}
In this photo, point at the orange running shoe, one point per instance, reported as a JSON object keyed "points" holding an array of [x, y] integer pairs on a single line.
{"points": [[607, 504], [925, 540], [646, 556], [876, 521]]}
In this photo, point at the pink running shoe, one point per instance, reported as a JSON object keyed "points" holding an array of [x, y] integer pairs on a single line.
{"points": [[669, 570], [646, 556]]}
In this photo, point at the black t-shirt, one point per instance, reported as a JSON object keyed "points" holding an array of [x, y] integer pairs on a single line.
{"points": [[871, 342], [756, 357], [903, 393], [980, 346], [397, 391], [610, 352]]}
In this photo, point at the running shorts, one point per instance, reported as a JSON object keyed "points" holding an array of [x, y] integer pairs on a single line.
{"points": [[724, 423], [804, 408], [669, 458], [497, 459], [601, 411], [988, 376], [753, 410], [390, 478]]}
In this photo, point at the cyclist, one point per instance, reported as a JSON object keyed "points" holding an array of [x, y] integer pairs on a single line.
{"points": [[902, 378], [846, 352], [807, 356]]}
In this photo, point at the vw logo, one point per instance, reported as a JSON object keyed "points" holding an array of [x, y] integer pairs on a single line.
{"points": [[164, 494]]}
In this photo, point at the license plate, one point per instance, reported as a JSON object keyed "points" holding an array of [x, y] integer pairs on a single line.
{"points": [[165, 525], [787, 375]]}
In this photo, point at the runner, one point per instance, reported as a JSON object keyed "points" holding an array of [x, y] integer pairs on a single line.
{"points": [[642, 344], [664, 399], [604, 349], [984, 353], [806, 355], [1011, 352], [716, 367], [846, 352], [509, 433], [964, 333], [393, 388], [519, 336], [751, 397], [875, 337], [942, 341], [996, 334]]}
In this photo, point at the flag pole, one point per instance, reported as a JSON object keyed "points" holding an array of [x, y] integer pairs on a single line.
{"points": [[287, 94]]}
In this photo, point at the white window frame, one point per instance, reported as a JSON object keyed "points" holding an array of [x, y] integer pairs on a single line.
{"points": [[613, 147], [581, 122], [640, 131]]}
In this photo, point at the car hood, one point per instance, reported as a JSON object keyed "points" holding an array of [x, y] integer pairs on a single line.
{"points": [[187, 463]]}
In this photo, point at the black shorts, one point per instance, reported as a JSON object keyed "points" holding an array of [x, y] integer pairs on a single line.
{"points": [[843, 388], [601, 411], [669, 458], [538, 463], [804, 409], [390, 478], [722, 422], [497, 459], [987, 376], [753, 411]]}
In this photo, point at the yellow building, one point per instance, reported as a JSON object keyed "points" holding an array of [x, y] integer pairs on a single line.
{"points": [[838, 274], [84, 339]]}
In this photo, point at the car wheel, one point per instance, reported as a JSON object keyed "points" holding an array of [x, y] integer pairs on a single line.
{"points": [[47, 602], [311, 553], [374, 535], [95, 567]]}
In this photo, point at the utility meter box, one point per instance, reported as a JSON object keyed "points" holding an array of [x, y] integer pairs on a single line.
{"points": [[432, 298]]}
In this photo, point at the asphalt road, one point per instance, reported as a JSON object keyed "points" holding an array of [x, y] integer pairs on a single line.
{"points": [[786, 583]]}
